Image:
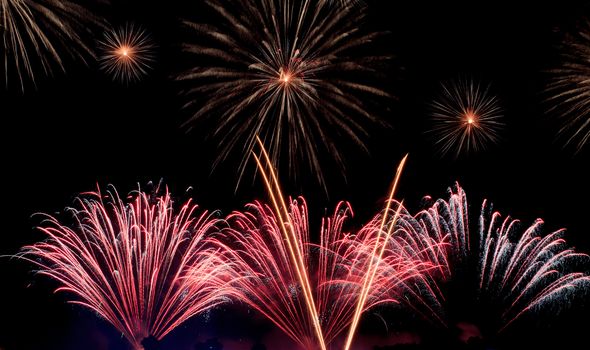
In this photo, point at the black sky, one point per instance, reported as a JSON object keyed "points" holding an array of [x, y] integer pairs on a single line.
{"points": [[81, 129]]}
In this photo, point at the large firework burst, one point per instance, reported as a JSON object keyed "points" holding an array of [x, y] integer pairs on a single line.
{"points": [[126, 53], [465, 117], [569, 87], [39, 32], [296, 73], [336, 270], [314, 291], [141, 265]]}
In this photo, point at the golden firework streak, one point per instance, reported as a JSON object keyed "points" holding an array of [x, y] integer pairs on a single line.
{"points": [[274, 190], [372, 267], [295, 251]]}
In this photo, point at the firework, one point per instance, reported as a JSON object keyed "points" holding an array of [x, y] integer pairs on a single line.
{"points": [[312, 292], [517, 271], [335, 269], [523, 271], [126, 53], [465, 117], [141, 265], [379, 248], [345, 2], [567, 92], [38, 33], [293, 72], [439, 234]]}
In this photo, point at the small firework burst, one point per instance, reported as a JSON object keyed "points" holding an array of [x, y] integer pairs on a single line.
{"points": [[568, 92], [296, 73], [40, 33], [466, 118], [127, 53]]}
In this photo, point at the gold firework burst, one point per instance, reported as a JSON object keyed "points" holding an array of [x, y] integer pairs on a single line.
{"points": [[569, 88], [126, 53], [465, 117], [296, 73], [38, 33]]}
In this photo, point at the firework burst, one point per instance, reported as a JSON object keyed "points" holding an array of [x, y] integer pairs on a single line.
{"points": [[38, 33], [313, 292], [569, 88], [465, 117], [524, 270], [141, 265], [518, 271], [126, 53], [336, 270], [292, 72]]}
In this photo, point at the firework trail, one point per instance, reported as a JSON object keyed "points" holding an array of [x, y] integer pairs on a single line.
{"points": [[465, 117], [126, 53], [390, 274], [517, 271], [425, 239], [377, 252], [141, 265], [312, 292], [568, 89], [36, 32], [271, 282], [293, 72]]}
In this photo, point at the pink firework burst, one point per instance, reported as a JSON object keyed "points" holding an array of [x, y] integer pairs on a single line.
{"points": [[312, 292], [140, 264], [336, 269]]}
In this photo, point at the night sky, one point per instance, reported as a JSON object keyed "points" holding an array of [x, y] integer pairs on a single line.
{"points": [[81, 128]]}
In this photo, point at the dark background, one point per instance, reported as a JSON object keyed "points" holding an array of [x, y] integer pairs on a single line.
{"points": [[81, 129]]}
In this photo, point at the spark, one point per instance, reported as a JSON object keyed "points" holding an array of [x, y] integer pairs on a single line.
{"points": [[285, 77]]}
